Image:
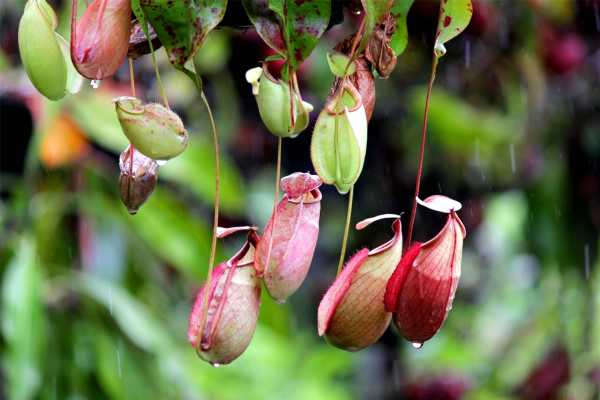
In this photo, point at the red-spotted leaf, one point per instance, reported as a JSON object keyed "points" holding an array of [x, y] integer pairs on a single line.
{"points": [[400, 37], [455, 16], [267, 23], [306, 21], [182, 26], [290, 27], [375, 10]]}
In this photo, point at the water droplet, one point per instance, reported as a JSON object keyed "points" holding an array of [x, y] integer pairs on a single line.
{"points": [[95, 83], [216, 365], [586, 260], [417, 345], [513, 163], [119, 370], [161, 162]]}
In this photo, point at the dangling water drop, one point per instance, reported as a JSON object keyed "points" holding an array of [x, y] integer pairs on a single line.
{"points": [[95, 83], [161, 162], [417, 345], [216, 365], [513, 163]]}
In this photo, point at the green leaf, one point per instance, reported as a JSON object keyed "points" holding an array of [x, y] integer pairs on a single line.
{"points": [[195, 168], [267, 23], [400, 37], [338, 63], [374, 11], [182, 25], [122, 373], [134, 319], [455, 16], [136, 8], [291, 28], [172, 232], [23, 323], [305, 23]]}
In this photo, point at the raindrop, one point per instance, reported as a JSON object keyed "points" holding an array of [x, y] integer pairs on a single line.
{"points": [[95, 83], [417, 345], [119, 370], [216, 365], [513, 163], [467, 53], [161, 162], [586, 260]]}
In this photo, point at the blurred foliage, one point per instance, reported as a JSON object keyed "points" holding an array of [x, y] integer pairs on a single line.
{"points": [[94, 302]]}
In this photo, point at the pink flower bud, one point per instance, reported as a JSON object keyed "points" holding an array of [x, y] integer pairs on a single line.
{"points": [[421, 289], [288, 248], [222, 324], [352, 315], [99, 41]]}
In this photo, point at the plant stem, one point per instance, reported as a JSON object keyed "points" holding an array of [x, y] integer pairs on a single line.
{"points": [[131, 148], [346, 230], [213, 243], [413, 212], [131, 78], [157, 73], [353, 49], [275, 201]]}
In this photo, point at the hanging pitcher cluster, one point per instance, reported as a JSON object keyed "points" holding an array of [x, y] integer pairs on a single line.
{"points": [[413, 285], [414, 289], [100, 40], [225, 313]]}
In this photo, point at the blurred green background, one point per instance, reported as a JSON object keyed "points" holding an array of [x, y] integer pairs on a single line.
{"points": [[94, 302]]}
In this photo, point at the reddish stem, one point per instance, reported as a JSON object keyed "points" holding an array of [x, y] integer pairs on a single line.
{"points": [[413, 212]]}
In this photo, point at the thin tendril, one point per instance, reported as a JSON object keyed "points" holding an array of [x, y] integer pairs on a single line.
{"points": [[131, 148], [346, 230], [275, 201], [351, 194], [158, 80], [131, 77], [413, 212], [213, 243]]}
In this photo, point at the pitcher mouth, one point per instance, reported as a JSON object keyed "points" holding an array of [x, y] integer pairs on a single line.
{"points": [[330, 106], [129, 104], [314, 196]]}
